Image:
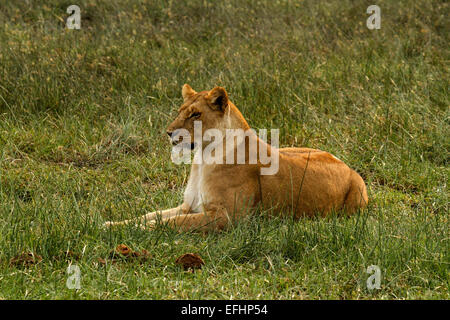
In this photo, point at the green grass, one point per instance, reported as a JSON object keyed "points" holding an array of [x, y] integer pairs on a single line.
{"points": [[82, 121]]}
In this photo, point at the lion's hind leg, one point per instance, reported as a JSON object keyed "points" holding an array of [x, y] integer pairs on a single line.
{"points": [[356, 197]]}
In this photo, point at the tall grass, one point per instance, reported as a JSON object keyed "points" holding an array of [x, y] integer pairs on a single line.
{"points": [[82, 121]]}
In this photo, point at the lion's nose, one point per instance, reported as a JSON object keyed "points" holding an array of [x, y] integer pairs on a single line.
{"points": [[170, 133]]}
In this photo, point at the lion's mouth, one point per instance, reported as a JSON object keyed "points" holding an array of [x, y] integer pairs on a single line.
{"points": [[184, 145]]}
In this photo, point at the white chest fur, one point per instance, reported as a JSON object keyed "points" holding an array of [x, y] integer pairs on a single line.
{"points": [[193, 195]]}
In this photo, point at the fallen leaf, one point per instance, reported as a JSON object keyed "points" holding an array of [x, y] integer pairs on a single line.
{"points": [[123, 250], [190, 261]]}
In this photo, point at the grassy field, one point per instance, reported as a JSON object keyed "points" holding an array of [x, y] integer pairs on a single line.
{"points": [[82, 140]]}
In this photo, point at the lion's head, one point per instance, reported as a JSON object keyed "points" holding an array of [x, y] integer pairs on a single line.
{"points": [[211, 108]]}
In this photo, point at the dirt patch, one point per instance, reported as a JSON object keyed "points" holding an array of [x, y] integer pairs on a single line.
{"points": [[25, 259]]}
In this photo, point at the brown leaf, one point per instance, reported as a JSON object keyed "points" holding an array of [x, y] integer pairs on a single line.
{"points": [[190, 261], [123, 250], [125, 253]]}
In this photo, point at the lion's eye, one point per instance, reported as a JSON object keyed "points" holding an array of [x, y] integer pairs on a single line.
{"points": [[195, 115]]}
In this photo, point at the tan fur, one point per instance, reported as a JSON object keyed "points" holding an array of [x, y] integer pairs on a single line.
{"points": [[309, 181]]}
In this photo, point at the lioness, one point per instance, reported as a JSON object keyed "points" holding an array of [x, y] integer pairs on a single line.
{"points": [[308, 181]]}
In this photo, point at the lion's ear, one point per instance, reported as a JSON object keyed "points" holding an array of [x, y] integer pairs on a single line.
{"points": [[187, 91], [218, 98]]}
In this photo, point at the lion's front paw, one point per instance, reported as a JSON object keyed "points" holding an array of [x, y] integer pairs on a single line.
{"points": [[107, 224], [147, 226]]}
